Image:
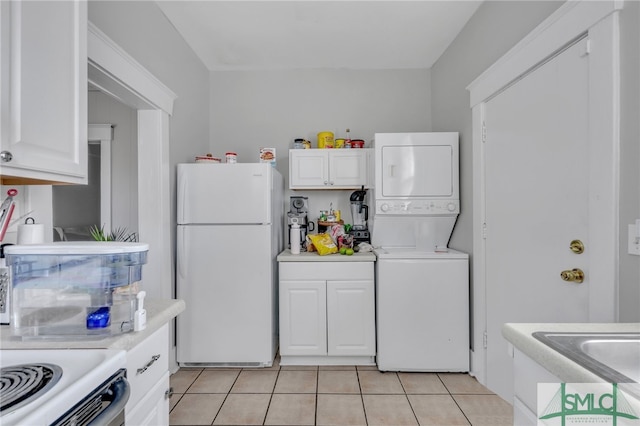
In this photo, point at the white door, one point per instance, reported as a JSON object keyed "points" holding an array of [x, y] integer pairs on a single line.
{"points": [[224, 193], [226, 283], [351, 318], [536, 195], [303, 318]]}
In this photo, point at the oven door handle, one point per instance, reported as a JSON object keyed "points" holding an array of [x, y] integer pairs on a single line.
{"points": [[120, 390]]}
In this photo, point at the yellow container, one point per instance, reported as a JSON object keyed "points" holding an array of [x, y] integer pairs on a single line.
{"points": [[339, 143], [325, 140]]}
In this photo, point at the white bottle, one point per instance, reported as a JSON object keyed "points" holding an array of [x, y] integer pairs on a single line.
{"points": [[295, 239]]}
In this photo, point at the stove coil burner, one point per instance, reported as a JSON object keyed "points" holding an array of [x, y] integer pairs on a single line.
{"points": [[21, 384]]}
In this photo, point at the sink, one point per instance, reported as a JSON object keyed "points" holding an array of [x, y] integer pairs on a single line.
{"points": [[614, 357]]}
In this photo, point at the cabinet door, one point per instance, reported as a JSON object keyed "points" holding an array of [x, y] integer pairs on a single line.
{"points": [[43, 75], [153, 409], [351, 317], [303, 318], [308, 168], [348, 168]]}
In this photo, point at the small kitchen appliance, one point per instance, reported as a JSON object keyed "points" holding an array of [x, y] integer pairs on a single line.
{"points": [[80, 290], [299, 214], [359, 215]]}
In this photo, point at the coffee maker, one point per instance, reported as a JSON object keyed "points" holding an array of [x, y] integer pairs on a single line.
{"points": [[360, 215], [299, 213]]}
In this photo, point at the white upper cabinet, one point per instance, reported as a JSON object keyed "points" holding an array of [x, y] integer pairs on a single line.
{"points": [[329, 168], [43, 77]]}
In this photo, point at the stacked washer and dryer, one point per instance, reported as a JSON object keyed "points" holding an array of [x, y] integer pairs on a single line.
{"points": [[422, 286]]}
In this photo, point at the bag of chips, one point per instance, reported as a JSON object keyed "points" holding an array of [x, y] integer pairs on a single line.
{"points": [[323, 244]]}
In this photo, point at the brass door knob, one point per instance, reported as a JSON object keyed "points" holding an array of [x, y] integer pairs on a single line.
{"points": [[575, 275], [577, 246]]}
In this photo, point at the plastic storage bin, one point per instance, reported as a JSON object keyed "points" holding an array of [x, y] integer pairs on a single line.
{"points": [[74, 289]]}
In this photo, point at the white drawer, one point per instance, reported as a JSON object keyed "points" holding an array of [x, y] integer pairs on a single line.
{"points": [[326, 271], [147, 363]]}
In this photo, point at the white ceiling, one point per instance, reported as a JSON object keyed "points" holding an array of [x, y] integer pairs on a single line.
{"points": [[360, 34]]}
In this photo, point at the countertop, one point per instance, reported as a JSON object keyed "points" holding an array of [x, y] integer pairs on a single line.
{"points": [[520, 335], [313, 256], [159, 312]]}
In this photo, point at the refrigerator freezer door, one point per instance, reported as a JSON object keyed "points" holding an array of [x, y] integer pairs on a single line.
{"points": [[224, 193], [225, 276]]}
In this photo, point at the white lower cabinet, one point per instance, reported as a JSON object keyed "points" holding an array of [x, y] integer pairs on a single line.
{"points": [[527, 374], [148, 376], [327, 313], [153, 409]]}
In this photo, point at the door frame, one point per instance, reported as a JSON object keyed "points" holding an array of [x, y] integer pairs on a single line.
{"points": [[102, 134], [116, 73], [573, 19]]}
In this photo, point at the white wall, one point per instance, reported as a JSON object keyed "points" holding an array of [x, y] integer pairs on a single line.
{"points": [[253, 109], [142, 30], [491, 32]]}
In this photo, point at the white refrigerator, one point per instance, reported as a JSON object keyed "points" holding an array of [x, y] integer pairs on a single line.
{"points": [[230, 230]]}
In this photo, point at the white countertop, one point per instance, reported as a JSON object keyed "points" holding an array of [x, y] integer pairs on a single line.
{"points": [[520, 335], [159, 312], [286, 256]]}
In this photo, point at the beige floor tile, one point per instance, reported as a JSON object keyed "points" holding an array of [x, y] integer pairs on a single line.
{"points": [[292, 409], [338, 382], [376, 382], [460, 383], [173, 400], [255, 381], [421, 383], [340, 410], [337, 367], [367, 367], [245, 409], [196, 409], [485, 410], [437, 410], [299, 367], [297, 381], [214, 381], [392, 410], [183, 378]]}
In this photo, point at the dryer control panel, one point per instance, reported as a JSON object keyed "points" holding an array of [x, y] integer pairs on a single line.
{"points": [[418, 207]]}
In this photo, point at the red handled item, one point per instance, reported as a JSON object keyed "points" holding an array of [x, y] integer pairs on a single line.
{"points": [[6, 210]]}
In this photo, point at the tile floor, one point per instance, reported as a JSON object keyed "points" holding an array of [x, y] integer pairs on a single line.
{"points": [[326, 395]]}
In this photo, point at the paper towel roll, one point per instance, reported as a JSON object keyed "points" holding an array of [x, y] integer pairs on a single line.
{"points": [[31, 233]]}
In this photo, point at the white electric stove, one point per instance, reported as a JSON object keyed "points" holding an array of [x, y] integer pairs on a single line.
{"points": [[62, 386]]}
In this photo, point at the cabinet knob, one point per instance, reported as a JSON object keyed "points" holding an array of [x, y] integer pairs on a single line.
{"points": [[6, 156], [168, 393]]}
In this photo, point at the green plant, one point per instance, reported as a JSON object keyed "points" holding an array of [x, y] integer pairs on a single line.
{"points": [[117, 234]]}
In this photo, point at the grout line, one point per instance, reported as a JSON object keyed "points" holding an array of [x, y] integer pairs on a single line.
{"points": [[275, 383]]}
